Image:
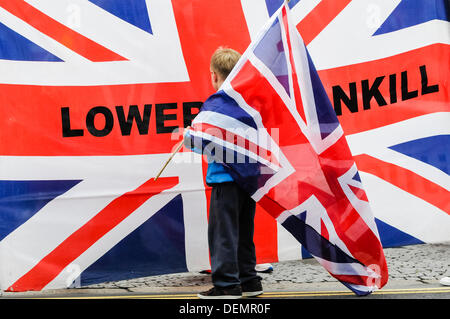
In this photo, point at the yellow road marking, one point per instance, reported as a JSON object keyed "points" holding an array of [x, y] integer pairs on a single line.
{"points": [[344, 293], [272, 294]]}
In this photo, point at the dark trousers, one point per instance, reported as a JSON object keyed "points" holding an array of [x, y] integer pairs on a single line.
{"points": [[230, 235]]}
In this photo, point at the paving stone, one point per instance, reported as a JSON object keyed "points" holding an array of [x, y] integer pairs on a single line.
{"points": [[426, 262]]}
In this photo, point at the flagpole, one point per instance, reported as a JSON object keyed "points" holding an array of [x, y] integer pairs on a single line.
{"points": [[172, 155]]}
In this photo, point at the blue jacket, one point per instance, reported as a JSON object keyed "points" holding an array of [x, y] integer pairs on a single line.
{"points": [[217, 173]]}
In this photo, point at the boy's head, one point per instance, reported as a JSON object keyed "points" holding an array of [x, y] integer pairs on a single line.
{"points": [[222, 62]]}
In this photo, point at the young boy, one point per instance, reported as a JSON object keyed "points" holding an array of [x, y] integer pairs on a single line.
{"points": [[231, 217]]}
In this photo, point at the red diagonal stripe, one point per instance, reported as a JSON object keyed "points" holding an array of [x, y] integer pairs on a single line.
{"points": [[355, 279], [297, 95], [359, 192], [319, 18], [324, 231], [406, 180], [59, 32], [77, 243]]}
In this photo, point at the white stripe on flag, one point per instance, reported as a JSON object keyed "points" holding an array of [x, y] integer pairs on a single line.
{"points": [[352, 269], [236, 148], [289, 248]]}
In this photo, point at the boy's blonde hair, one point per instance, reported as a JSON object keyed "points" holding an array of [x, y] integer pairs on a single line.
{"points": [[223, 60]]}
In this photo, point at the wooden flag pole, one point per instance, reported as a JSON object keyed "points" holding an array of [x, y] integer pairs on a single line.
{"points": [[172, 155]]}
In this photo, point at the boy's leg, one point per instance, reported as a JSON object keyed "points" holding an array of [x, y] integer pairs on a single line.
{"points": [[223, 235], [246, 250], [250, 282]]}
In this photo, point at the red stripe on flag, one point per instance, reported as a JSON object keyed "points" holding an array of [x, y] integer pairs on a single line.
{"points": [[83, 238], [406, 180], [272, 207], [324, 231], [357, 280], [265, 236], [359, 192], [433, 57], [319, 18], [59, 32], [297, 94]]}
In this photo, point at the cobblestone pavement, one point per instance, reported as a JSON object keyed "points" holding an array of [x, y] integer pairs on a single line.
{"points": [[426, 263]]}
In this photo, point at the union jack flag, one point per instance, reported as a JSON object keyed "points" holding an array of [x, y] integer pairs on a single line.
{"points": [[272, 125], [68, 208], [131, 62]]}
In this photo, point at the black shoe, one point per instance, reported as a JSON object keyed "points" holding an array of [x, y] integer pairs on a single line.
{"points": [[233, 292], [252, 288]]}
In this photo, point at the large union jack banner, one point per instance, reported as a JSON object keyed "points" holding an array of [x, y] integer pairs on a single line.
{"points": [[272, 125], [91, 92]]}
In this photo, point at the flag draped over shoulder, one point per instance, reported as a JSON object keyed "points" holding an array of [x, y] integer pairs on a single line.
{"points": [[273, 127]]}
